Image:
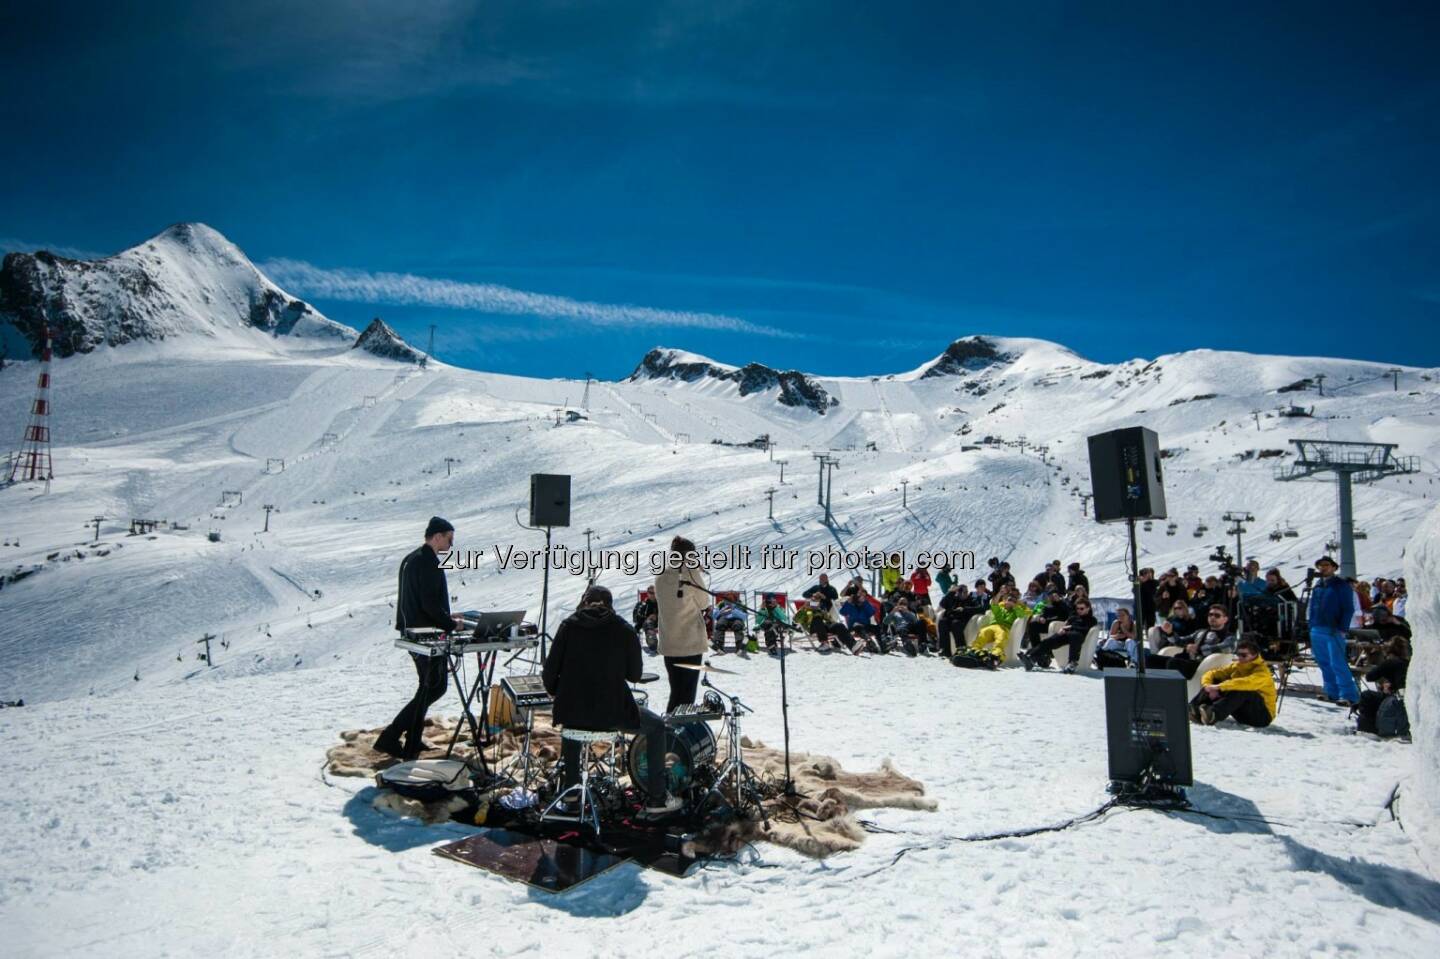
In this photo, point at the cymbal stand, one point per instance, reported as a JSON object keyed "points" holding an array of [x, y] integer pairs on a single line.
{"points": [[743, 781]]}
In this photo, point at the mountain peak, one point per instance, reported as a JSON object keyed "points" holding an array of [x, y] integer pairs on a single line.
{"points": [[380, 339], [188, 280]]}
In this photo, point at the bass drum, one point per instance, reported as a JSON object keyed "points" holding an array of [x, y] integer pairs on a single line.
{"points": [[687, 748]]}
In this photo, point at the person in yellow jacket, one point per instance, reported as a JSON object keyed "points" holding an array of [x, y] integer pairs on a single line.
{"points": [[1244, 690], [890, 574], [1003, 613]]}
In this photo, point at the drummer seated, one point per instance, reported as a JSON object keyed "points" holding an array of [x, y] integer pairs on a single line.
{"points": [[594, 658]]}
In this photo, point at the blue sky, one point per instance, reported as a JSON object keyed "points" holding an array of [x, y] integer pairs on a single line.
{"points": [[838, 187]]}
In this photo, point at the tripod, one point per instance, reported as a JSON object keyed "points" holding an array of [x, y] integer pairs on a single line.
{"points": [[1301, 619]]}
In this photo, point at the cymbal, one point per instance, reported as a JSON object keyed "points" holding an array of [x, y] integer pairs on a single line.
{"points": [[706, 668]]}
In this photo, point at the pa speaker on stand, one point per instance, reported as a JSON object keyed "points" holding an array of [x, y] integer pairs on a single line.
{"points": [[549, 507], [1146, 721]]}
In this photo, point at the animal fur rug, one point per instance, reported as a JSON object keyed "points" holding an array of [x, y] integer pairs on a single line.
{"points": [[819, 823]]}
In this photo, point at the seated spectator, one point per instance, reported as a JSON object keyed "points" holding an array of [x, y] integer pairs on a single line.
{"points": [[1118, 647], [859, 615], [905, 625], [770, 620], [1389, 679], [1182, 618], [1077, 627], [1077, 577], [1214, 638], [1277, 588], [1168, 590], [1250, 585], [1051, 609], [1034, 593], [1191, 579], [728, 619], [1244, 690], [830, 634], [1389, 625], [1208, 591], [1001, 576], [826, 592], [644, 617], [1385, 594], [992, 639], [1401, 597], [957, 607]]}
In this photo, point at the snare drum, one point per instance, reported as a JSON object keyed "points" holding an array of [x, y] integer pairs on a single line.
{"points": [[686, 748]]}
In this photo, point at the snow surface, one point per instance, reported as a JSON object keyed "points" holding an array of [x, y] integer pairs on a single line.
{"points": [[183, 810], [1422, 683]]}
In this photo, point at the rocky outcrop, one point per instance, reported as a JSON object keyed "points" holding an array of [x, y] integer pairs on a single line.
{"points": [[792, 387], [379, 339], [965, 355]]}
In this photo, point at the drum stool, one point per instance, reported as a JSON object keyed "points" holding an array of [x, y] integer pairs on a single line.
{"points": [[587, 810]]}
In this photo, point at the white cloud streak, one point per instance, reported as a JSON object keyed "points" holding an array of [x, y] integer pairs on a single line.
{"points": [[406, 289]]}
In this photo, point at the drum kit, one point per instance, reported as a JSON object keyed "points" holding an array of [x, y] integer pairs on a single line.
{"points": [[708, 779]]}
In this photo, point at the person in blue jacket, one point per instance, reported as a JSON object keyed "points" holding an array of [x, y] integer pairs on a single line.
{"points": [[1332, 605]]}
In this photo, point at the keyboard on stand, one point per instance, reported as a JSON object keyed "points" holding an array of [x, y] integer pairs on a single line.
{"points": [[463, 646]]}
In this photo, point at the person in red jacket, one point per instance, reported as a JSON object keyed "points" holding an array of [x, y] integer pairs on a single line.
{"points": [[920, 584]]}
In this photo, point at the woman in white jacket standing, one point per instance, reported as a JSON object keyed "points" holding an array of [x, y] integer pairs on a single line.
{"points": [[680, 594]]}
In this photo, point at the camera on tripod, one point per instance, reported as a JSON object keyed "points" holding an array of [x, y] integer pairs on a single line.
{"points": [[1226, 561]]}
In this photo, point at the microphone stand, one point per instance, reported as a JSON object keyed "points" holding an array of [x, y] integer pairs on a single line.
{"points": [[788, 786]]}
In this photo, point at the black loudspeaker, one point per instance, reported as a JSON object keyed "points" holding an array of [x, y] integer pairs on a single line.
{"points": [[549, 499], [1125, 475], [1147, 721]]}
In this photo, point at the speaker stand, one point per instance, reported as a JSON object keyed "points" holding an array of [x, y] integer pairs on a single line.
{"points": [[545, 596]]}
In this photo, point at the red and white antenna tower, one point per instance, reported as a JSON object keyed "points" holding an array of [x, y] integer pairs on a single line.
{"points": [[32, 461]]}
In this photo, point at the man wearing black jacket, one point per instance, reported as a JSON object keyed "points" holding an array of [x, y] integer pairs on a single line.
{"points": [[423, 601], [594, 656], [825, 591]]}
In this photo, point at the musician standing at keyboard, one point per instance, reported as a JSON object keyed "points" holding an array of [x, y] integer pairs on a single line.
{"points": [[594, 656], [423, 601]]}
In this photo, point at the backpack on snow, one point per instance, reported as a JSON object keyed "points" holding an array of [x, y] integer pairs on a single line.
{"points": [[1391, 719], [973, 659]]}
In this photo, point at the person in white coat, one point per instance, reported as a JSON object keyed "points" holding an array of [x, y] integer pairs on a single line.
{"points": [[680, 592]]}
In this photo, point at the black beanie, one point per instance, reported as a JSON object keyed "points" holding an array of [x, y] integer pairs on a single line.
{"points": [[438, 525]]}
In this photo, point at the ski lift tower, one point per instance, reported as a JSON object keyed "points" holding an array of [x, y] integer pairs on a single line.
{"points": [[1351, 462], [31, 462]]}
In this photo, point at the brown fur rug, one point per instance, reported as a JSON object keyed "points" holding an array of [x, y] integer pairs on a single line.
{"points": [[819, 823]]}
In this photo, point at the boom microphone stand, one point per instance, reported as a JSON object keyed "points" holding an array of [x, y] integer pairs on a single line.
{"points": [[788, 786]]}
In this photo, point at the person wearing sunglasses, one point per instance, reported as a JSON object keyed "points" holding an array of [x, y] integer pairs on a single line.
{"points": [[1214, 637], [1243, 691], [1077, 627]]}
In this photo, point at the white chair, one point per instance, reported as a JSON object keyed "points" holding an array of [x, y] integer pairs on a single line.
{"points": [[1213, 661], [1172, 651], [1087, 651], [586, 811], [972, 629], [1012, 645]]}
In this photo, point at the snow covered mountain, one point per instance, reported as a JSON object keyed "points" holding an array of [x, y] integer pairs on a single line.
{"points": [[186, 281], [790, 388]]}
